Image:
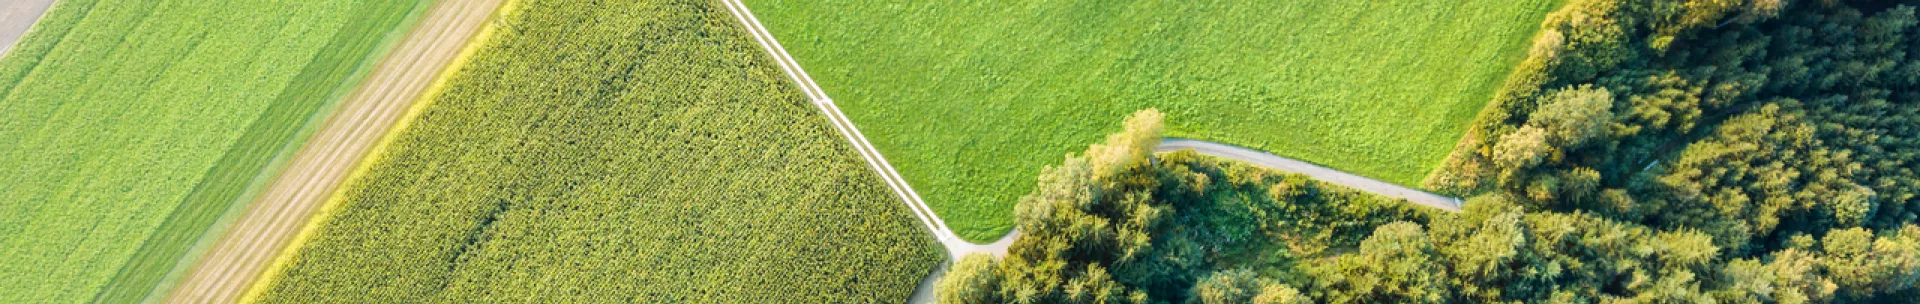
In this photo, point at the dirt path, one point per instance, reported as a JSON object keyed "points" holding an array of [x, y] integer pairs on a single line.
{"points": [[956, 247], [16, 16], [1325, 174], [275, 218]]}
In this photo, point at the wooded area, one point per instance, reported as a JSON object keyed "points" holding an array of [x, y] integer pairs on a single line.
{"points": [[1120, 226], [1647, 151], [1755, 122]]}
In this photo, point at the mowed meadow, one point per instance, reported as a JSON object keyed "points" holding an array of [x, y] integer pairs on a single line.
{"points": [[127, 128], [597, 151], [970, 99]]}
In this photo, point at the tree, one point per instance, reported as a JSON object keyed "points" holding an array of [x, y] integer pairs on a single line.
{"points": [[1276, 293], [1522, 149], [1226, 287], [1395, 265], [1574, 116], [1863, 266], [1487, 252], [972, 280], [1130, 148], [1793, 276]]}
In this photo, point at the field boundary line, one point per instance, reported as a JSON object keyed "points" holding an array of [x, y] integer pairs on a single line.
{"points": [[304, 194], [472, 44], [283, 158]]}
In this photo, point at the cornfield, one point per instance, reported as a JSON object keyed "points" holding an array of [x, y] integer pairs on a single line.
{"points": [[612, 151]]}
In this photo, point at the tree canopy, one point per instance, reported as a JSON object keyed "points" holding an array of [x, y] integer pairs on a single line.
{"points": [[1692, 151]]}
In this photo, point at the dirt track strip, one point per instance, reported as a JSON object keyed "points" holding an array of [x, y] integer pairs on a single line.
{"points": [[1325, 174], [16, 16], [276, 217]]}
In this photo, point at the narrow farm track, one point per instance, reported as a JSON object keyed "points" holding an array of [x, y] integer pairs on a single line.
{"points": [[956, 247], [1325, 174], [16, 17], [275, 218]]}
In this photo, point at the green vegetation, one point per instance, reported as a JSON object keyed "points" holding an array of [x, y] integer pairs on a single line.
{"points": [[1115, 226], [1762, 123], [968, 98], [1112, 226], [629, 151], [130, 127]]}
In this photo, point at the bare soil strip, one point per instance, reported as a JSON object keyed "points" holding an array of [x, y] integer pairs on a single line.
{"points": [[16, 16], [274, 219]]}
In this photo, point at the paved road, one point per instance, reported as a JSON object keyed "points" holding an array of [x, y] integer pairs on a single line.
{"points": [[1330, 175], [288, 204], [16, 16]]}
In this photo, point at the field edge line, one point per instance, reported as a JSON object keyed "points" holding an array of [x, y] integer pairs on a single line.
{"points": [[272, 273]]}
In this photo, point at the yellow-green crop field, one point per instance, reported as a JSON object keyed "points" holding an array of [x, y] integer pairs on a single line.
{"points": [[970, 99], [612, 151], [128, 127]]}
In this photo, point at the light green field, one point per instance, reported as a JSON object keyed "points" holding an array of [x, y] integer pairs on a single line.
{"points": [[625, 151], [127, 128], [970, 99]]}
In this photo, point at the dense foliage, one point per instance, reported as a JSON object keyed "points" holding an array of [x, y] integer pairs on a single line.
{"points": [[1497, 253], [1755, 122], [597, 151], [968, 99], [127, 128], [1117, 226]]}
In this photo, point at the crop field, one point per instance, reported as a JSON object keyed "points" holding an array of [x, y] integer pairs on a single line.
{"points": [[970, 99], [127, 128], [611, 151]]}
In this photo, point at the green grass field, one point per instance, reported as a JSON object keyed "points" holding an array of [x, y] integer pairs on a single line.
{"points": [[129, 127], [970, 99], [638, 151]]}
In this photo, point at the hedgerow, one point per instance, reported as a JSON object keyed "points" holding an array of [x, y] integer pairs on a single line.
{"points": [[613, 151]]}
